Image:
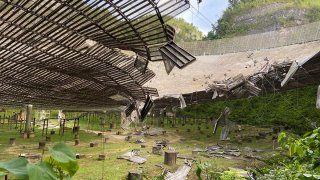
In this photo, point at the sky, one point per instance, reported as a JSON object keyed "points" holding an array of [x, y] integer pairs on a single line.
{"points": [[212, 10]]}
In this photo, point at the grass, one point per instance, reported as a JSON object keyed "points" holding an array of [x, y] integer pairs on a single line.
{"points": [[294, 109], [113, 168]]}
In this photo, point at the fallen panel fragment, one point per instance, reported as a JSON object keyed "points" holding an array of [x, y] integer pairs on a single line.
{"points": [[180, 174], [133, 157]]}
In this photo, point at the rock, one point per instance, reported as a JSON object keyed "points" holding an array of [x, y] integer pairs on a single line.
{"points": [[236, 154], [12, 141], [128, 138], [80, 156], [93, 144], [101, 157], [232, 152], [135, 175], [248, 149], [248, 156], [76, 142], [195, 153], [42, 145], [140, 141], [163, 142], [258, 150], [213, 149], [48, 138], [157, 150]]}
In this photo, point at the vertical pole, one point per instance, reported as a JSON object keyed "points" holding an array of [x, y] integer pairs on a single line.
{"points": [[318, 98], [43, 127], [60, 121], [74, 125], [29, 118], [34, 124], [64, 123], [47, 126]]}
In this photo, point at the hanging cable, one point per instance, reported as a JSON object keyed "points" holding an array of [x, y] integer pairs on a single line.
{"points": [[200, 18], [202, 15]]}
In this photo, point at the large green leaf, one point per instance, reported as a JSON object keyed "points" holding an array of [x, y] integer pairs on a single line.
{"points": [[282, 136], [71, 167], [62, 153], [41, 172], [198, 172], [17, 167], [2, 174]]}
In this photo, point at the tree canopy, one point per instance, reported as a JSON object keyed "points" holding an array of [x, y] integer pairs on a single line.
{"points": [[185, 31]]}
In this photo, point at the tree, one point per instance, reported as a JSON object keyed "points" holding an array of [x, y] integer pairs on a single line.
{"points": [[234, 2], [185, 31]]}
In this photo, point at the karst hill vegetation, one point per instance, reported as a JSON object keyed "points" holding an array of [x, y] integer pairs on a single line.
{"points": [[245, 17], [185, 31]]}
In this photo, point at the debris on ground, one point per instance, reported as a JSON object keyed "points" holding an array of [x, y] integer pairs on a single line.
{"points": [[140, 141], [180, 174], [133, 156], [163, 142], [185, 157]]}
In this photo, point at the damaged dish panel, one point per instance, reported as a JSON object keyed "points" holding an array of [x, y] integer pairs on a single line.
{"points": [[69, 54]]}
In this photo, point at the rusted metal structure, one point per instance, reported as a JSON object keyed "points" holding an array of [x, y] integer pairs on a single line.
{"points": [[271, 78], [72, 54]]}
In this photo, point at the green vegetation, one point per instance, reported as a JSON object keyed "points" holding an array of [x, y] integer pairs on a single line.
{"points": [[303, 160], [113, 168], [251, 16], [294, 109], [61, 164], [185, 31]]}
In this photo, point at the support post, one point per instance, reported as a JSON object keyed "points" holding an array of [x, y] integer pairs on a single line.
{"points": [[27, 129], [318, 98], [170, 158]]}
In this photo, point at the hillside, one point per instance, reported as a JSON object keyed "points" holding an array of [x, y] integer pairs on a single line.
{"points": [[185, 31], [245, 17]]}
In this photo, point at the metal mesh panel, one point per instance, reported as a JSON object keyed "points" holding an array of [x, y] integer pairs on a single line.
{"points": [[66, 54]]}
